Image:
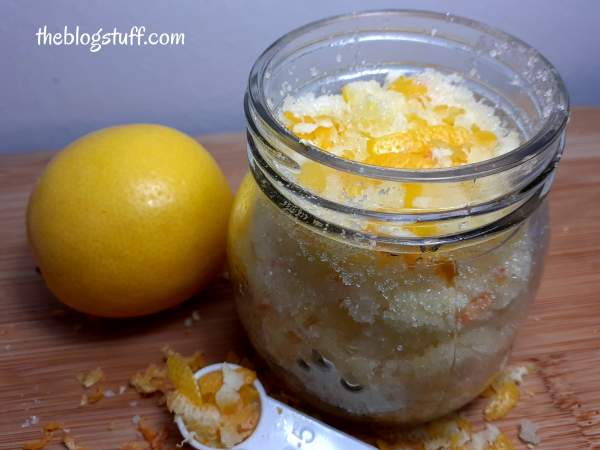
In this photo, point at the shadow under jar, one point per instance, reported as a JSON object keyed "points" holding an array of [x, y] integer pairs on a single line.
{"points": [[356, 311]]}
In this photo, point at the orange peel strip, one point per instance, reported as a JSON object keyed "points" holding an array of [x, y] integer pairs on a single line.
{"points": [[182, 377]]}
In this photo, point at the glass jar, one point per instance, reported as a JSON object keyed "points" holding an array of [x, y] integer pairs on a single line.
{"points": [[393, 314]]}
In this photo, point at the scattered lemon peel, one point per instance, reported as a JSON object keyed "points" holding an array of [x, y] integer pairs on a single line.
{"points": [[70, 444], [182, 377], [90, 378], [155, 378], [47, 435], [150, 380], [457, 433], [38, 444], [450, 433], [156, 439], [52, 426], [95, 395], [222, 409], [504, 393]]}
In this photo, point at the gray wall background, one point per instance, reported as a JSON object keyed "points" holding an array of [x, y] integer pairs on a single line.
{"points": [[51, 95]]}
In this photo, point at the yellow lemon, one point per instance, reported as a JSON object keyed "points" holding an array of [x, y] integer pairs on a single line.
{"points": [[240, 221], [129, 220]]}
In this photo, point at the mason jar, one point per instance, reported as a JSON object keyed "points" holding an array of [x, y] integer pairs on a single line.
{"points": [[387, 313]]}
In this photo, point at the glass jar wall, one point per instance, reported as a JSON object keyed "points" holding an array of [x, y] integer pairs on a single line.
{"points": [[394, 315]]}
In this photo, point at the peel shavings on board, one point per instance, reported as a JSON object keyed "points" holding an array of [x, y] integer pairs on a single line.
{"points": [[456, 433], [222, 409]]}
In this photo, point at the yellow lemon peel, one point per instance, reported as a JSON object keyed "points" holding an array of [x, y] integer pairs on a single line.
{"points": [[183, 378]]}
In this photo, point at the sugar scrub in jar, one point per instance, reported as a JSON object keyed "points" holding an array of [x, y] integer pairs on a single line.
{"points": [[391, 233]]}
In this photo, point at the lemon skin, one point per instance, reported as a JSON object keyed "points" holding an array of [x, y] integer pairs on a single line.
{"points": [[129, 220]]}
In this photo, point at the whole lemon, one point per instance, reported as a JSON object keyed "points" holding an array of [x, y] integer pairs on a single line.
{"points": [[129, 220]]}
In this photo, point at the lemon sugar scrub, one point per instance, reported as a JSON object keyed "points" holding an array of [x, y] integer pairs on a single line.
{"points": [[391, 234], [425, 121]]}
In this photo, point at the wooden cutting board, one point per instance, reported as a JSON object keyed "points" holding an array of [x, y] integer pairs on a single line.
{"points": [[43, 345]]}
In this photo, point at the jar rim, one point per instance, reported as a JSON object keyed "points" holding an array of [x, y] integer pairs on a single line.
{"points": [[554, 122]]}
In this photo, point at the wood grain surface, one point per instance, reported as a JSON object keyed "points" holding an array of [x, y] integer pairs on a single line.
{"points": [[44, 345]]}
